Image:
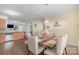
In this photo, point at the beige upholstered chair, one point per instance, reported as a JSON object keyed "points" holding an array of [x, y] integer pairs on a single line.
{"points": [[59, 49], [33, 45], [27, 36]]}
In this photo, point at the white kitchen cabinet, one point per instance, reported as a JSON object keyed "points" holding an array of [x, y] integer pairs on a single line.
{"points": [[9, 37]]}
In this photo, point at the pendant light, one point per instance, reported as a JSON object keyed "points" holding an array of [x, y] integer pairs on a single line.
{"points": [[45, 17], [46, 21]]}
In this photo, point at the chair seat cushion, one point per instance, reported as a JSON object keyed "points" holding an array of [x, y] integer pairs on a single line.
{"points": [[40, 49], [50, 51]]}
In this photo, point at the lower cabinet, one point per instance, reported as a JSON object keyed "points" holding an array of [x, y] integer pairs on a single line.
{"points": [[18, 35], [13, 36], [2, 38], [9, 37]]}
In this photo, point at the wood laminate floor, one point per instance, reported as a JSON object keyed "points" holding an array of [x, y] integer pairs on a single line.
{"points": [[13, 48]]}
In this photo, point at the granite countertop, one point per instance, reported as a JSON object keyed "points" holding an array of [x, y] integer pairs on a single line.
{"points": [[9, 31]]}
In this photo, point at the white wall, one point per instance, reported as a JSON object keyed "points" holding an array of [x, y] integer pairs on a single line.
{"points": [[38, 28], [20, 25], [68, 26], [28, 27]]}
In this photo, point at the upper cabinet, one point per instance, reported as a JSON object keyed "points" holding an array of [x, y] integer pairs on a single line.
{"points": [[3, 20], [2, 23]]}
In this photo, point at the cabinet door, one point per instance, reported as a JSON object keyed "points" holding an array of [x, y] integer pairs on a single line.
{"points": [[2, 23], [2, 38], [18, 35], [9, 37]]}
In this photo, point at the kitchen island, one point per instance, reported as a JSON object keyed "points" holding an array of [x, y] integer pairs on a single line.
{"points": [[9, 35]]}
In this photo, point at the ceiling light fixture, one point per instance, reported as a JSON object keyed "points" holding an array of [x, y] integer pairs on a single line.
{"points": [[11, 12], [45, 14], [45, 11], [19, 22]]}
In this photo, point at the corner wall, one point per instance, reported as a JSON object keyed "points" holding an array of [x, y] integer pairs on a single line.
{"points": [[68, 22]]}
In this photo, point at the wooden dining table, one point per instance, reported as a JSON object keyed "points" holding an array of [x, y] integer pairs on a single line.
{"points": [[48, 42]]}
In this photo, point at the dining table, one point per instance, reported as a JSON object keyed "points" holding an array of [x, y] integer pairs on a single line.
{"points": [[48, 42]]}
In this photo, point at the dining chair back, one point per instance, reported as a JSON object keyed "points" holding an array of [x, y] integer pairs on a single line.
{"points": [[27, 35], [33, 45], [61, 44]]}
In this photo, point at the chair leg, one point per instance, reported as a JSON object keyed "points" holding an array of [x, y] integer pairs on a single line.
{"points": [[28, 52], [63, 54], [25, 47], [66, 51]]}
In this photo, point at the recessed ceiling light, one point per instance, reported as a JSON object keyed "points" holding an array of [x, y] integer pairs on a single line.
{"points": [[11, 12], [15, 21], [18, 22]]}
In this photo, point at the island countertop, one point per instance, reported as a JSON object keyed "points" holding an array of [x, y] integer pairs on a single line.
{"points": [[9, 31]]}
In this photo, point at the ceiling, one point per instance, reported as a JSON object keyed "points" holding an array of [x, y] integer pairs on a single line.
{"points": [[30, 12]]}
